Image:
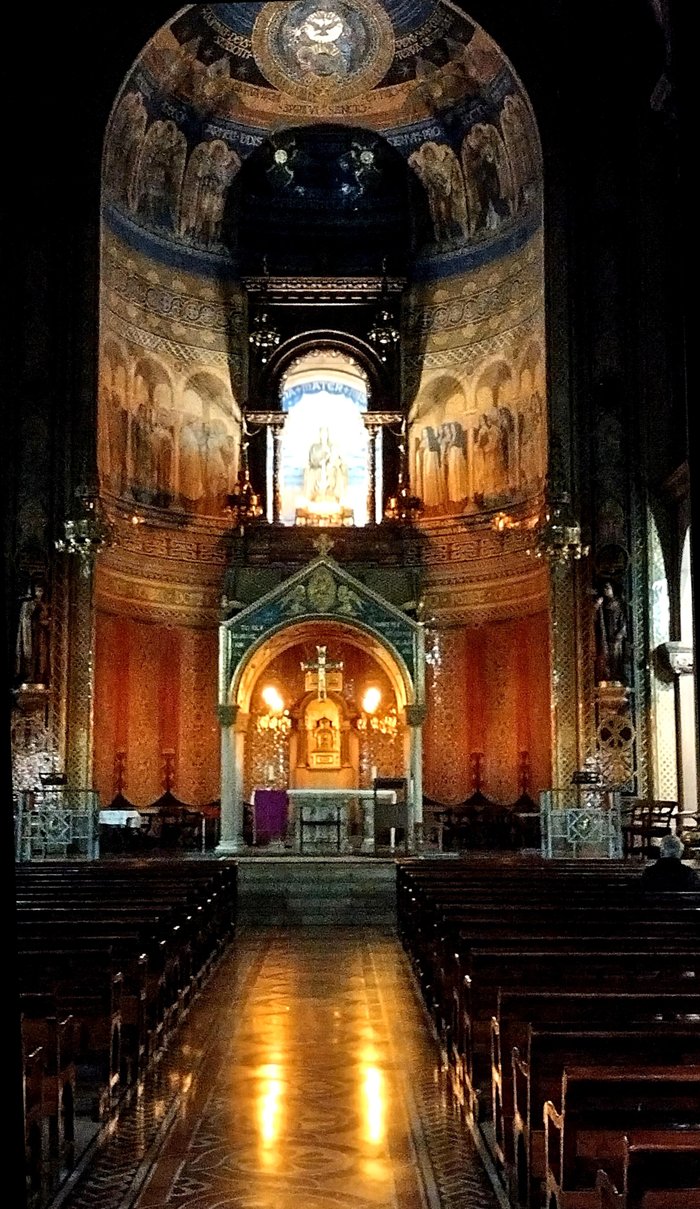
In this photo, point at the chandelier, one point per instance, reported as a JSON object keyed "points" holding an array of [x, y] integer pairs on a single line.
{"points": [[385, 724], [264, 336], [557, 533], [243, 503], [403, 506], [384, 334], [274, 724], [88, 532]]}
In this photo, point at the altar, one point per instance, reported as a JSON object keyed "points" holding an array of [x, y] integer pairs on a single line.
{"points": [[320, 818]]}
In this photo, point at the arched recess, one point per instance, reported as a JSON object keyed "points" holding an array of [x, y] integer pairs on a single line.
{"points": [[272, 644], [442, 98], [296, 347], [686, 693], [240, 674], [664, 770]]}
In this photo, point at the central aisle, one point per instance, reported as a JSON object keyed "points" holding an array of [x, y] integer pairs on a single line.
{"points": [[305, 1077]]}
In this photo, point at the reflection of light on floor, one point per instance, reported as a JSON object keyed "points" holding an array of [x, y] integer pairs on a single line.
{"points": [[373, 1091], [269, 1108]]}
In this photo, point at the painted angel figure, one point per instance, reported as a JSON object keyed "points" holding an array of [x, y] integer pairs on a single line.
{"points": [[210, 170], [159, 173]]}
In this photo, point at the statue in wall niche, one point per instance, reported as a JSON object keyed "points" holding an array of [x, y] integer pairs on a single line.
{"points": [[610, 623], [33, 638]]}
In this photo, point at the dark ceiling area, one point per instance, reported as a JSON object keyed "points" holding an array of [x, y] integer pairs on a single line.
{"points": [[325, 199]]}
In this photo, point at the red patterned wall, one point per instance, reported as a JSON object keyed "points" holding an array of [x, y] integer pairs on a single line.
{"points": [[155, 701], [488, 693]]}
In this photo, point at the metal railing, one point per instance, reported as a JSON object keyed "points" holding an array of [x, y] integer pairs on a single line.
{"points": [[57, 822], [582, 820]]}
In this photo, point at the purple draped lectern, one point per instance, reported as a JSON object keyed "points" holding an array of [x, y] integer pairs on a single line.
{"points": [[270, 807]]}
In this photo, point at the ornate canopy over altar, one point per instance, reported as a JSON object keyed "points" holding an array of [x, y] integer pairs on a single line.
{"points": [[321, 608]]}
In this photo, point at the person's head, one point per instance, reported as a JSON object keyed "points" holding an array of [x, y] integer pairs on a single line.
{"points": [[672, 846]]}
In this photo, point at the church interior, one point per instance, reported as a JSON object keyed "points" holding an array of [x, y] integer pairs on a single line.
{"points": [[349, 609]]}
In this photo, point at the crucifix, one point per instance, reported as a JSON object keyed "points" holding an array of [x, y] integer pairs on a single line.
{"points": [[324, 674]]}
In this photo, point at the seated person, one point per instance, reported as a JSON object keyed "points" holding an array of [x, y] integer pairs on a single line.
{"points": [[669, 872]]}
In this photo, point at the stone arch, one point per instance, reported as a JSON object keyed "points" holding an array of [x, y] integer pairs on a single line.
{"points": [[273, 642]]}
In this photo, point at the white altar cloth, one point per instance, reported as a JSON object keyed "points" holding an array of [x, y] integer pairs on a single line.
{"points": [[120, 818]]}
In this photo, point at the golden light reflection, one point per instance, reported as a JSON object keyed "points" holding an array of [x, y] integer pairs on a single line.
{"points": [[270, 1089], [374, 1104]]}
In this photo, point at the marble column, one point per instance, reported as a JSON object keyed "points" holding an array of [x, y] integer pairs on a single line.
{"points": [[415, 717], [372, 471], [234, 725]]}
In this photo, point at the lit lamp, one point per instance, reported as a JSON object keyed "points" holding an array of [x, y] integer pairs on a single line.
{"points": [[88, 532], [558, 532], [264, 336], [384, 335], [370, 718], [243, 503]]}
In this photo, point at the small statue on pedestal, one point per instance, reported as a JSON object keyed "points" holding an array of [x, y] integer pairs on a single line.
{"points": [[32, 664]]}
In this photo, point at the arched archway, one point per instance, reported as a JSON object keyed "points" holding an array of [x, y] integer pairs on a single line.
{"points": [[685, 687], [192, 140], [320, 636]]}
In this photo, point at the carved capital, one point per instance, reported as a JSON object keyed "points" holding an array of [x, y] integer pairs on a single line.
{"points": [[226, 714], [415, 715]]}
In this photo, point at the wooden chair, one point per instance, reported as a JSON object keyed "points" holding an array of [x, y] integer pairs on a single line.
{"points": [[647, 821]]}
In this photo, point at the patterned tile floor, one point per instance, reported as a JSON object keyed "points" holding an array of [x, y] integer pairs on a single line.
{"points": [[304, 1077]]}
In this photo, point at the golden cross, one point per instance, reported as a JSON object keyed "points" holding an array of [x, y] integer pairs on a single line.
{"points": [[322, 665]]}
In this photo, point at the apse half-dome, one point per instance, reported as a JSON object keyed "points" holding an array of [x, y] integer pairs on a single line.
{"points": [[369, 131]]}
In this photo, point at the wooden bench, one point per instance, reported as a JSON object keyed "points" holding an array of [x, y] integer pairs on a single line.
{"points": [[538, 1070], [519, 1009], [143, 966], [44, 1028], [86, 985], [34, 1145], [600, 1106], [660, 1171], [488, 970]]}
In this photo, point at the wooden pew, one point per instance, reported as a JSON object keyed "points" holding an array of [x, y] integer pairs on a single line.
{"points": [[44, 1028], [538, 1070], [490, 969], [660, 1171], [143, 997], [599, 1107], [577, 931], [519, 1008], [33, 1088], [86, 985]]}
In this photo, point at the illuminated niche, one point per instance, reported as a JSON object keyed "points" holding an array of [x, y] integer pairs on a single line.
{"points": [[324, 468]]}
